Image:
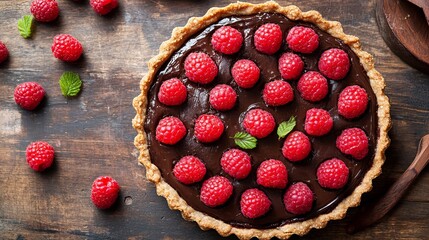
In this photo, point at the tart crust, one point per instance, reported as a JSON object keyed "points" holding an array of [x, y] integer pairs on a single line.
{"points": [[179, 36]]}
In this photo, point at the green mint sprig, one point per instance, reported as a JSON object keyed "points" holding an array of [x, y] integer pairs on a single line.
{"points": [[25, 26], [70, 84], [245, 140], [286, 127]]}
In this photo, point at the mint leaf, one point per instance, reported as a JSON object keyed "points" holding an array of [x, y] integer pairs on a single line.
{"points": [[70, 84], [245, 140], [25, 25], [286, 127]]}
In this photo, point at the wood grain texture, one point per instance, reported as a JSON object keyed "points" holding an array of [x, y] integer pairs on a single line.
{"points": [[93, 136]]}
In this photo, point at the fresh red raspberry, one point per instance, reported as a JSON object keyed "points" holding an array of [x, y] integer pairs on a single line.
{"points": [[254, 203], [208, 128], [170, 130], [28, 95], [189, 169], [272, 174], [222, 97], [236, 163], [44, 10], [333, 174], [172, 92], [334, 63], [40, 155], [104, 192], [277, 93], [352, 102], [298, 198], [313, 86], [103, 7], [296, 147], [302, 39], [227, 40], [216, 191], [268, 38], [4, 53], [318, 122], [66, 48], [259, 123], [245, 73], [354, 142], [200, 68], [290, 66]]}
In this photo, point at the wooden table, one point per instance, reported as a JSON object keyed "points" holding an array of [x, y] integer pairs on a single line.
{"points": [[93, 136]]}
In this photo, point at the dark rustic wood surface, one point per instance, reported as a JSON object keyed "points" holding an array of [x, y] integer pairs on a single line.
{"points": [[93, 136]]}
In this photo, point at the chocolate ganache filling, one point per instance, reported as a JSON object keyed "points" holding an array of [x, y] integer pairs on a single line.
{"points": [[323, 148]]}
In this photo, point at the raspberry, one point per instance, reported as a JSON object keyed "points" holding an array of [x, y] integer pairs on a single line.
{"points": [[290, 66], [103, 7], [170, 130], [200, 68], [302, 39], [268, 38], [222, 97], [236, 163], [44, 10], [4, 53], [332, 174], [104, 192], [254, 203], [259, 123], [318, 122], [313, 86], [172, 92], [66, 48], [189, 169], [354, 142], [40, 155], [277, 93], [208, 128], [28, 95], [272, 174], [334, 64], [352, 102], [216, 191], [298, 199], [227, 40], [296, 147], [245, 73]]}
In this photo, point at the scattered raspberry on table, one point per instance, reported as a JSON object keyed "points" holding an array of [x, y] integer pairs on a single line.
{"points": [[4, 53], [28, 95], [103, 7], [44, 10], [66, 48], [40, 155], [104, 192]]}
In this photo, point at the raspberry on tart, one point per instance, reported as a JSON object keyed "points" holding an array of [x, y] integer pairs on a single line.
{"points": [[189, 169], [297, 200], [259, 123], [227, 40], [354, 142], [245, 73], [302, 39], [200, 68], [290, 66], [352, 102], [172, 92], [277, 93], [333, 174], [254, 203], [313, 86], [222, 97], [334, 63], [170, 130], [236, 163], [215, 191], [208, 128], [272, 173], [268, 38]]}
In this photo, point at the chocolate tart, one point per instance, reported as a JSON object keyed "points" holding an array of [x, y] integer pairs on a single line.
{"points": [[159, 159]]}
